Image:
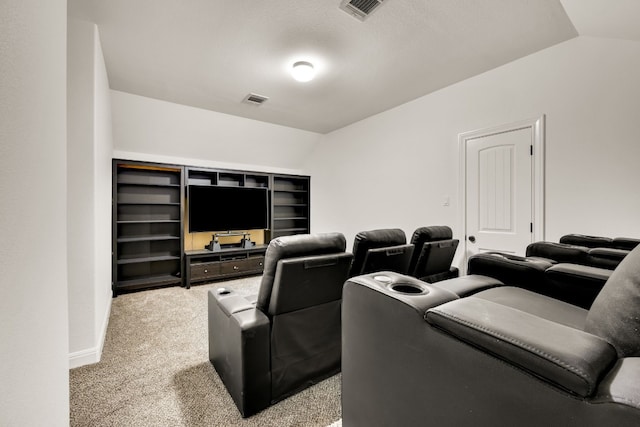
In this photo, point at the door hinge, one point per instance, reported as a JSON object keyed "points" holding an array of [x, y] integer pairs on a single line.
{"points": [[531, 149]]}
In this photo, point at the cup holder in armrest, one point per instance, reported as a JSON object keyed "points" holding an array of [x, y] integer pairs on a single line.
{"points": [[408, 288]]}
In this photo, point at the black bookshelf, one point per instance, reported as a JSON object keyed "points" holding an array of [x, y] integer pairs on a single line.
{"points": [[147, 231], [290, 205]]}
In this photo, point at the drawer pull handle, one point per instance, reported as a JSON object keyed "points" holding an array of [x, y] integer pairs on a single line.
{"points": [[206, 271], [235, 267], [260, 264]]}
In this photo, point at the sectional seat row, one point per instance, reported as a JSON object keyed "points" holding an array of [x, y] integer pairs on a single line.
{"points": [[460, 351], [287, 337], [573, 270]]}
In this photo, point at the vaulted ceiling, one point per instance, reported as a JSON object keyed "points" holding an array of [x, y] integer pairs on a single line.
{"points": [[212, 53]]}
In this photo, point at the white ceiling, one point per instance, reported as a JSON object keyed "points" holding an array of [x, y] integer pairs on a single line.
{"points": [[212, 53]]}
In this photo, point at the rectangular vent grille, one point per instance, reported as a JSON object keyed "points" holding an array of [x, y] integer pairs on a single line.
{"points": [[254, 99], [361, 9]]}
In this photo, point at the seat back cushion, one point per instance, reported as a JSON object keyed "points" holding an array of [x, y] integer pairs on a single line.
{"points": [[392, 258], [307, 281], [373, 239], [293, 247], [427, 234], [560, 252], [436, 257], [527, 273], [615, 314]]}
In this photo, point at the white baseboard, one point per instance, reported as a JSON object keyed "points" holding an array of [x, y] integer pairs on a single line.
{"points": [[92, 354], [84, 357]]}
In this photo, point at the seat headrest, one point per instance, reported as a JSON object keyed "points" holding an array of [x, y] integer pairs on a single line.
{"points": [[588, 241], [615, 313], [292, 247], [431, 234], [374, 239]]}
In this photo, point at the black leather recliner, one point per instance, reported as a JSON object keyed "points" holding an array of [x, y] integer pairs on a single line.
{"points": [[572, 283], [288, 338], [468, 351], [433, 254], [383, 249]]}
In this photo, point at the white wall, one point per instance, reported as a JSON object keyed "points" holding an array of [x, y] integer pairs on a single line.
{"points": [[34, 378], [89, 194], [102, 188], [152, 130], [394, 169]]}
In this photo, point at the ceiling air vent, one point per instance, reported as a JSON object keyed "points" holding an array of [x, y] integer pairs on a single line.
{"points": [[361, 9], [254, 99]]}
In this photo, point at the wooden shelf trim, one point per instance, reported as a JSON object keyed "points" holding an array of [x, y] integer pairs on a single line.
{"points": [[149, 238], [123, 261], [140, 184], [150, 221]]}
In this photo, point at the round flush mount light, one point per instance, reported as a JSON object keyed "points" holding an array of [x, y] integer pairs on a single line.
{"points": [[303, 71]]}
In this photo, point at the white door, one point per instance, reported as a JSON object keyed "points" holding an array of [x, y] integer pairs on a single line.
{"points": [[500, 188]]}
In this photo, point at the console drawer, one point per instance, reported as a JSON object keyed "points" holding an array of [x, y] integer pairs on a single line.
{"points": [[241, 265], [205, 270]]}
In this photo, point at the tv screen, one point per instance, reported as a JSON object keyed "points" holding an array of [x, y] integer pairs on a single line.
{"points": [[227, 208]]}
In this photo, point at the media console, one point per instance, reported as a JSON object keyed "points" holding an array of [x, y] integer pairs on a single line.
{"points": [[204, 265]]}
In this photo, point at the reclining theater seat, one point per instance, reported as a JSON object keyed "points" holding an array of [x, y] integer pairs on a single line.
{"points": [[383, 249], [434, 249], [419, 354], [290, 338]]}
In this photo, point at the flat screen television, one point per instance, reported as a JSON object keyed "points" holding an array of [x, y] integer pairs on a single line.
{"points": [[227, 208]]}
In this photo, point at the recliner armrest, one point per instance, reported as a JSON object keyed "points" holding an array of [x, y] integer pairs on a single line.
{"points": [[469, 284], [230, 302], [566, 357], [239, 348], [418, 295]]}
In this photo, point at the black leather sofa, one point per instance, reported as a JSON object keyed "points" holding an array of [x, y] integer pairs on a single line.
{"points": [[625, 243], [472, 352], [601, 257], [287, 337], [573, 283]]}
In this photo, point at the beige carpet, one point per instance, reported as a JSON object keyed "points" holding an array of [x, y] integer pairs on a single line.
{"points": [[155, 370]]}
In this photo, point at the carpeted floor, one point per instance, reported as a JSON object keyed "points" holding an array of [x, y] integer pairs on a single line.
{"points": [[155, 370]]}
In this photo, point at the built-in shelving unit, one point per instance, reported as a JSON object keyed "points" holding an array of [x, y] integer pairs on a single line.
{"points": [[147, 231], [290, 205], [152, 244], [201, 176]]}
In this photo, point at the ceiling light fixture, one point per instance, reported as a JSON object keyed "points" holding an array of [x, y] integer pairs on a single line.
{"points": [[303, 71]]}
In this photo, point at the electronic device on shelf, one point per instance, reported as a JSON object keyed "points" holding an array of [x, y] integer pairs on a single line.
{"points": [[245, 242]]}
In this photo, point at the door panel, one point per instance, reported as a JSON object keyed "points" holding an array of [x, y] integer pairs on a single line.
{"points": [[499, 192]]}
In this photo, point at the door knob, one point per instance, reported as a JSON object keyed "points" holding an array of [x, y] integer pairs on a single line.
{"points": [[472, 239]]}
